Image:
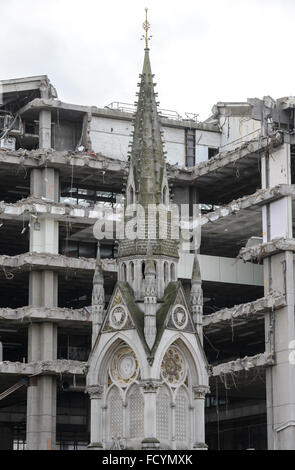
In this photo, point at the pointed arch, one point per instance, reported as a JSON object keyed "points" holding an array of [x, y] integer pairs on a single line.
{"points": [[143, 269], [98, 369], [198, 373], [124, 272], [130, 195], [166, 272], [172, 272], [131, 271], [165, 195]]}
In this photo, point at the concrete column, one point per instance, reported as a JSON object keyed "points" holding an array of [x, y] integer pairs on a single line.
{"points": [[45, 129], [43, 292], [199, 394], [279, 326], [45, 183], [150, 440], [96, 430], [41, 395], [44, 231]]}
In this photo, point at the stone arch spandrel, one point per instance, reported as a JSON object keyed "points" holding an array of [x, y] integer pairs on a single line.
{"points": [[100, 361], [191, 352]]}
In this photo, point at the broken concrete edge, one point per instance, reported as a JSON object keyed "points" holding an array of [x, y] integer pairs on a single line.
{"points": [[55, 210], [253, 146], [58, 158], [260, 197], [263, 250], [49, 103], [243, 364], [98, 161], [31, 314], [73, 212], [268, 303], [56, 367], [55, 261]]}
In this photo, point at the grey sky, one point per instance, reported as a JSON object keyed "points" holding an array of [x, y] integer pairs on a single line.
{"points": [[201, 51]]}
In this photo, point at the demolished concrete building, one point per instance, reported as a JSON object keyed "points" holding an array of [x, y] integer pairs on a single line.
{"points": [[59, 164]]}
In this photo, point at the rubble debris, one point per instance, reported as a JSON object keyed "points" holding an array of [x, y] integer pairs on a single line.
{"points": [[244, 364], [259, 198], [56, 314], [58, 211], [57, 367], [258, 252], [45, 260], [256, 308], [256, 145]]}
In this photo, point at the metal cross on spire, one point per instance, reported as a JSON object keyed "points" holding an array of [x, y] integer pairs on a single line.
{"points": [[146, 26]]}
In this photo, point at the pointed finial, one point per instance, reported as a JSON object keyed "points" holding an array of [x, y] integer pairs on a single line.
{"points": [[146, 26]]}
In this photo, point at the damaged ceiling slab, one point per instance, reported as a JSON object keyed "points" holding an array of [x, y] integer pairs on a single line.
{"points": [[243, 364], [57, 367]]}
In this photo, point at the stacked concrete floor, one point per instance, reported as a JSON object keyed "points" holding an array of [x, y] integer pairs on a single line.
{"points": [[54, 178]]}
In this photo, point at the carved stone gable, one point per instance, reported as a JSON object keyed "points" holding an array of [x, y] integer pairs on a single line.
{"points": [[179, 317], [118, 317]]}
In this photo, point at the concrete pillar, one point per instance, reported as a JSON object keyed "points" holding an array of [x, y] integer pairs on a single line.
{"points": [[150, 440], [45, 183], [45, 129], [279, 325], [43, 292], [44, 231], [41, 397]]}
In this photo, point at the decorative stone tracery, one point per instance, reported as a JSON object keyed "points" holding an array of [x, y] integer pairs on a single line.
{"points": [[124, 366], [173, 367]]}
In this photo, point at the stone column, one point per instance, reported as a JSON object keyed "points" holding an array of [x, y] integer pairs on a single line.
{"points": [[199, 394], [150, 388], [279, 325], [96, 393]]}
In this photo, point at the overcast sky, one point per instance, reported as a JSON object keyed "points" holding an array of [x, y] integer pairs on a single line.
{"points": [[201, 51]]}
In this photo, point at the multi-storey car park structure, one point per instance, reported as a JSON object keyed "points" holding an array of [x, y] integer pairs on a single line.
{"points": [[59, 163]]}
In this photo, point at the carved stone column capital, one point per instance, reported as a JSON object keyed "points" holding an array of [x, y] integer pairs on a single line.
{"points": [[200, 391], [150, 385], [95, 391]]}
